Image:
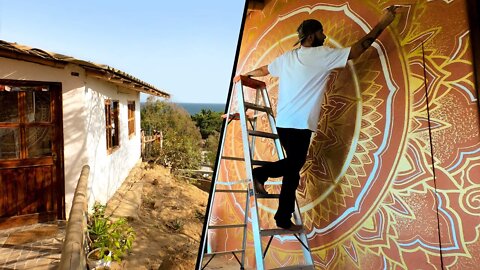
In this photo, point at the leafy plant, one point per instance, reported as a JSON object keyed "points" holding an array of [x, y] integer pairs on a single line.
{"points": [[208, 122], [181, 147], [211, 146], [175, 225], [199, 214], [98, 224], [113, 238]]}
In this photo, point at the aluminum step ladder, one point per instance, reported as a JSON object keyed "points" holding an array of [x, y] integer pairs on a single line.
{"points": [[248, 140]]}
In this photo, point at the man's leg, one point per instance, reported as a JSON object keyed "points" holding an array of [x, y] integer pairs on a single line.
{"points": [[271, 169], [280, 167], [296, 143]]}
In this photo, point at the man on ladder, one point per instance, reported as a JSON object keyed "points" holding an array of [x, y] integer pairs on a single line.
{"points": [[303, 74]]}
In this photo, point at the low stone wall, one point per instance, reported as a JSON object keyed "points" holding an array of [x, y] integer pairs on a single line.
{"points": [[73, 251]]}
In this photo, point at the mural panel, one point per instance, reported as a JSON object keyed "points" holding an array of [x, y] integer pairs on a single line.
{"points": [[371, 194]]}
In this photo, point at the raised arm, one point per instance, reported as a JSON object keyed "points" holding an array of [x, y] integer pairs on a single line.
{"points": [[259, 72], [364, 43]]}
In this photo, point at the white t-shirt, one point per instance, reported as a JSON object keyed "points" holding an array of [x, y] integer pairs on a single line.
{"points": [[303, 76]]}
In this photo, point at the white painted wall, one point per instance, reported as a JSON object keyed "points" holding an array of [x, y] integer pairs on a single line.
{"points": [[108, 171], [84, 126]]}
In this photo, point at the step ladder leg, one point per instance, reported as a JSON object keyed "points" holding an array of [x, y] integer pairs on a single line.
{"points": [[211, 258], [273, 126], [251, 203], [268, 245], [302, 238], [204, 245], [236, 258], [254, 124], [248, 166], [244, 241], [301, 242]]}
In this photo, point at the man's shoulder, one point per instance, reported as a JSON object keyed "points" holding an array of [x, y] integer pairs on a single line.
{"points": [[331, 49], [327, 49], [286, 55]]}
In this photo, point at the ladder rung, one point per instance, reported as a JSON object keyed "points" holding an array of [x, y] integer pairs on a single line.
{"points": [[260, 162], [268, 196], [252, 83], [254, 162], [236, 116], [232, 190], [263, 134], [224, 252], [233, 158], [270, 232], [227, 226], [257, 107], [301, 267], [224, 183]]}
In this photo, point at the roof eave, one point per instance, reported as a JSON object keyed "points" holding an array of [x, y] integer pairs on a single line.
{"points": [[123, 81], [104, 72]]}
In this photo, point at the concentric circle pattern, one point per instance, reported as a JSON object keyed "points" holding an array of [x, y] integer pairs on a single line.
{"points": [[369, 195]]}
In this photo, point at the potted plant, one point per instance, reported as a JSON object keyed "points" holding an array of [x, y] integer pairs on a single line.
{"points": [[99, 258], [108, 240]]}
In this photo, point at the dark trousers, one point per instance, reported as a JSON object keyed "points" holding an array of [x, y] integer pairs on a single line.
{"points": [[296, 143]]}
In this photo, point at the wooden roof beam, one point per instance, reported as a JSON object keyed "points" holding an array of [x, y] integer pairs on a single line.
{"points": [[32, 59], [120, 81]]}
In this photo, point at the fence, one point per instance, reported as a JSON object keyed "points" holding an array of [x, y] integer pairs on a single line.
{"points": [[73, 251], [151, 143]]}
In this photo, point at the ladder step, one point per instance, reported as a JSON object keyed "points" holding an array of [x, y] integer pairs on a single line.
{"points": [[268, 196], [224, 252], [262, 134], [236, 116], [270, 232], [233, 158], [260, 162], [252, 83], [232, 190], [254, 162], [257, 107], [292, 267], [228, 226], [224, 183]]}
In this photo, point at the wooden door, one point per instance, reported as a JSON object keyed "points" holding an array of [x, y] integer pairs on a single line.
{"points": [[31, 153]]}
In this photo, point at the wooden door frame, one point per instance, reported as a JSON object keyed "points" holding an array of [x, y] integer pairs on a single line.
{"points": [[57, 145]]}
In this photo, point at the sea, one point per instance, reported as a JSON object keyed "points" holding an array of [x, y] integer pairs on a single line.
{"points": [[194, 108]]}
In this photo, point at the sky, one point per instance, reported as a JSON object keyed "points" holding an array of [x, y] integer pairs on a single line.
{"points": [[186, 48]]}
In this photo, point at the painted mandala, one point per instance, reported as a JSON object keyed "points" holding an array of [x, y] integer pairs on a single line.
{"points": [[371, 195]]}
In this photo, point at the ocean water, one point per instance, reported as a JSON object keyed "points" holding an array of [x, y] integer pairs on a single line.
{"points": [[194, 108]]}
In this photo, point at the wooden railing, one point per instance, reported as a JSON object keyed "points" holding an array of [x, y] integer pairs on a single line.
{"points": [[147, 143], [73, 251]]}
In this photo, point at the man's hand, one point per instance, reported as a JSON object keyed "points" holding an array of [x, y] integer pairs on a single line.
{"points": [[363, 44], [389, 16], [259, 72]]}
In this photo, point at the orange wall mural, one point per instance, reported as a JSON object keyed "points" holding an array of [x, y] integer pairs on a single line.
{"points": [[369, 194]]}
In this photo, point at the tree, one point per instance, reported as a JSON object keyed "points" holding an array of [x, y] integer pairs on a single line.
{"points": [[181, 139], [208, 122], [211, 146]]}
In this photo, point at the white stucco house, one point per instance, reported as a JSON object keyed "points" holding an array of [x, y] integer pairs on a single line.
{"points": [[58, 113]]}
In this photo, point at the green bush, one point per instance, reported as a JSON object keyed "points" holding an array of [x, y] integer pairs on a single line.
{"points": [[208, 122], [114, 236], [211, 146], [181, 138]]}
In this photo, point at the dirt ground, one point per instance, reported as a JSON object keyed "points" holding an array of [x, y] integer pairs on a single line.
{"points": [[169, 223]]}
